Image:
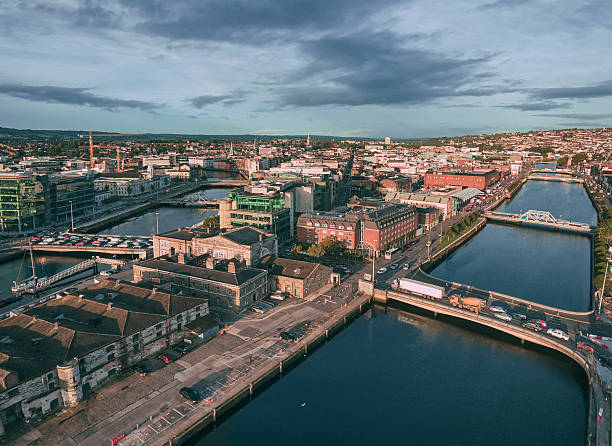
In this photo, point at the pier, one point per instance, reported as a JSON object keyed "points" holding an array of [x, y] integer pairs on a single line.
{"points": [[541, 219]]}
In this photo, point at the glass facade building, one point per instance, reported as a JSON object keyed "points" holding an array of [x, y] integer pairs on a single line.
{"points": [[23, 201]]}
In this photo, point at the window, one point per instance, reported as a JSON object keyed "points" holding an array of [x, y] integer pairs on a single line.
{"points": [[158, 334], [110, 357], [51, 385], [178, 327], [158, 326], [50, 377], [136, 348], [110, 348], [135, 338], [13, 393], [180, 317]]}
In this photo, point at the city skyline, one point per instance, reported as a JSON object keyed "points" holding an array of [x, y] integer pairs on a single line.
{"points": [[372, 69]]}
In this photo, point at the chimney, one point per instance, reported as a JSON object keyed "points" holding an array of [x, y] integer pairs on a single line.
{"points": [[231, 267], [181, 258], [109, 305], [210, 262], [260, 237], [56, 326]]}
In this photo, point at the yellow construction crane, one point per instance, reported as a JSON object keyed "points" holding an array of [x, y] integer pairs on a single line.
{"points": [[108, 135]]}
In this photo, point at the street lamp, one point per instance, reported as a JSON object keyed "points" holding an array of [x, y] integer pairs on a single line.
{"points": [[71, 217], [373, 262], [157, 222]]}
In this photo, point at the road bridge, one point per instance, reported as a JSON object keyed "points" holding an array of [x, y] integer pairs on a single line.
{"points": [[599, 395], [198, 199], [542, 219]]}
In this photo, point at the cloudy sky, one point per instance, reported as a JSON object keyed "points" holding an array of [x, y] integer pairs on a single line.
{"points": [[410, 68]]}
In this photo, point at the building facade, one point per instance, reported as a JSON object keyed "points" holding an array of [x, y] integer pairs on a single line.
{"points": [[313, 228], [23, 201], [229, 284], [476, 179], [53, 355]]}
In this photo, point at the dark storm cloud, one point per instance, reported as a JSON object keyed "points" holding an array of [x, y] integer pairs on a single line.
{"points": [[537, 106], [581, 116], [72, 96], [247, 21], [504, 4], [600, 90], [209, 99], [379, 68]]}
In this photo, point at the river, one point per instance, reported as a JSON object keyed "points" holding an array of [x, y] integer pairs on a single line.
{"points": [[400, 378], [145, 224], [551, 268]]}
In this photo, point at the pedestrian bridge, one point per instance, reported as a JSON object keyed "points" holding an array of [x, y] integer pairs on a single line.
{"points": [[557, 178], [542, 219]]}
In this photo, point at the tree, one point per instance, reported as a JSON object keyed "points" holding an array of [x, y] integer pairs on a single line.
{"points": [[316, 250]]}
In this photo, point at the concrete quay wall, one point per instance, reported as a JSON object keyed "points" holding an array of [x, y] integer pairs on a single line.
{"points": [[205, 416]]}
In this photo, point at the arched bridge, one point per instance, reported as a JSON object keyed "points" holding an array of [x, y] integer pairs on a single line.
{"points": [[540, 219]]}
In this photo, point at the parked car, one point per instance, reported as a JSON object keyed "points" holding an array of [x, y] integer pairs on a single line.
{"points": [[503, 316], [142, 369], [288, 336], [584, 346], [406, 266], [105, 273], [164, 358], [277, 296], [394, 266], [382, 270], [558, 333], [190, 394], [258, 309], [182, 348]]}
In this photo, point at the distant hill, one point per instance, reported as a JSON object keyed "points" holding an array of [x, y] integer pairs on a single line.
{"points": [[26, 134]]}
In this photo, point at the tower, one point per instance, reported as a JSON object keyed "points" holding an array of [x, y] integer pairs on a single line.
{"points": [[308, 139]]}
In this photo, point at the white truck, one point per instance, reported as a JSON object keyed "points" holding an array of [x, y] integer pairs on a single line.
{"points": [[426, 290]]}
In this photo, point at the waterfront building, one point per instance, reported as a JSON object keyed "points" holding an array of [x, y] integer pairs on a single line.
{"points": [[446, 204], [128, 184], [52, 355], [65, 192], [246, 244], [392, 225], [476, 179], [228, 284], [296, 277], [23, 201]]}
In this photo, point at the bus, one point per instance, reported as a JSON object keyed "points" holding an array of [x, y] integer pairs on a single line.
{"points": [[390, 253]]}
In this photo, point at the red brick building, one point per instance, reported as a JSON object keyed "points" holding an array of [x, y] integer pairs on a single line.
{"points": [[389, 226], [381, 226], [477, 179], [313, 228]]}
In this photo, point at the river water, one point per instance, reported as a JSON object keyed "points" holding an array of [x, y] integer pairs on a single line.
{"points": [[145, 224], [404, 379], [400, 378], [551, 268]]}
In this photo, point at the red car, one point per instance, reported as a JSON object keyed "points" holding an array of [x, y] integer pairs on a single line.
{"points": [[584, 346], [163, 357], [541, 322]]}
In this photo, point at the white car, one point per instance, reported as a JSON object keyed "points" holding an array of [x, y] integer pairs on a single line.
{"points": [[277, 296], [105, 273], [382, 270], [558, 333], [503, 316], [497, 309]]}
